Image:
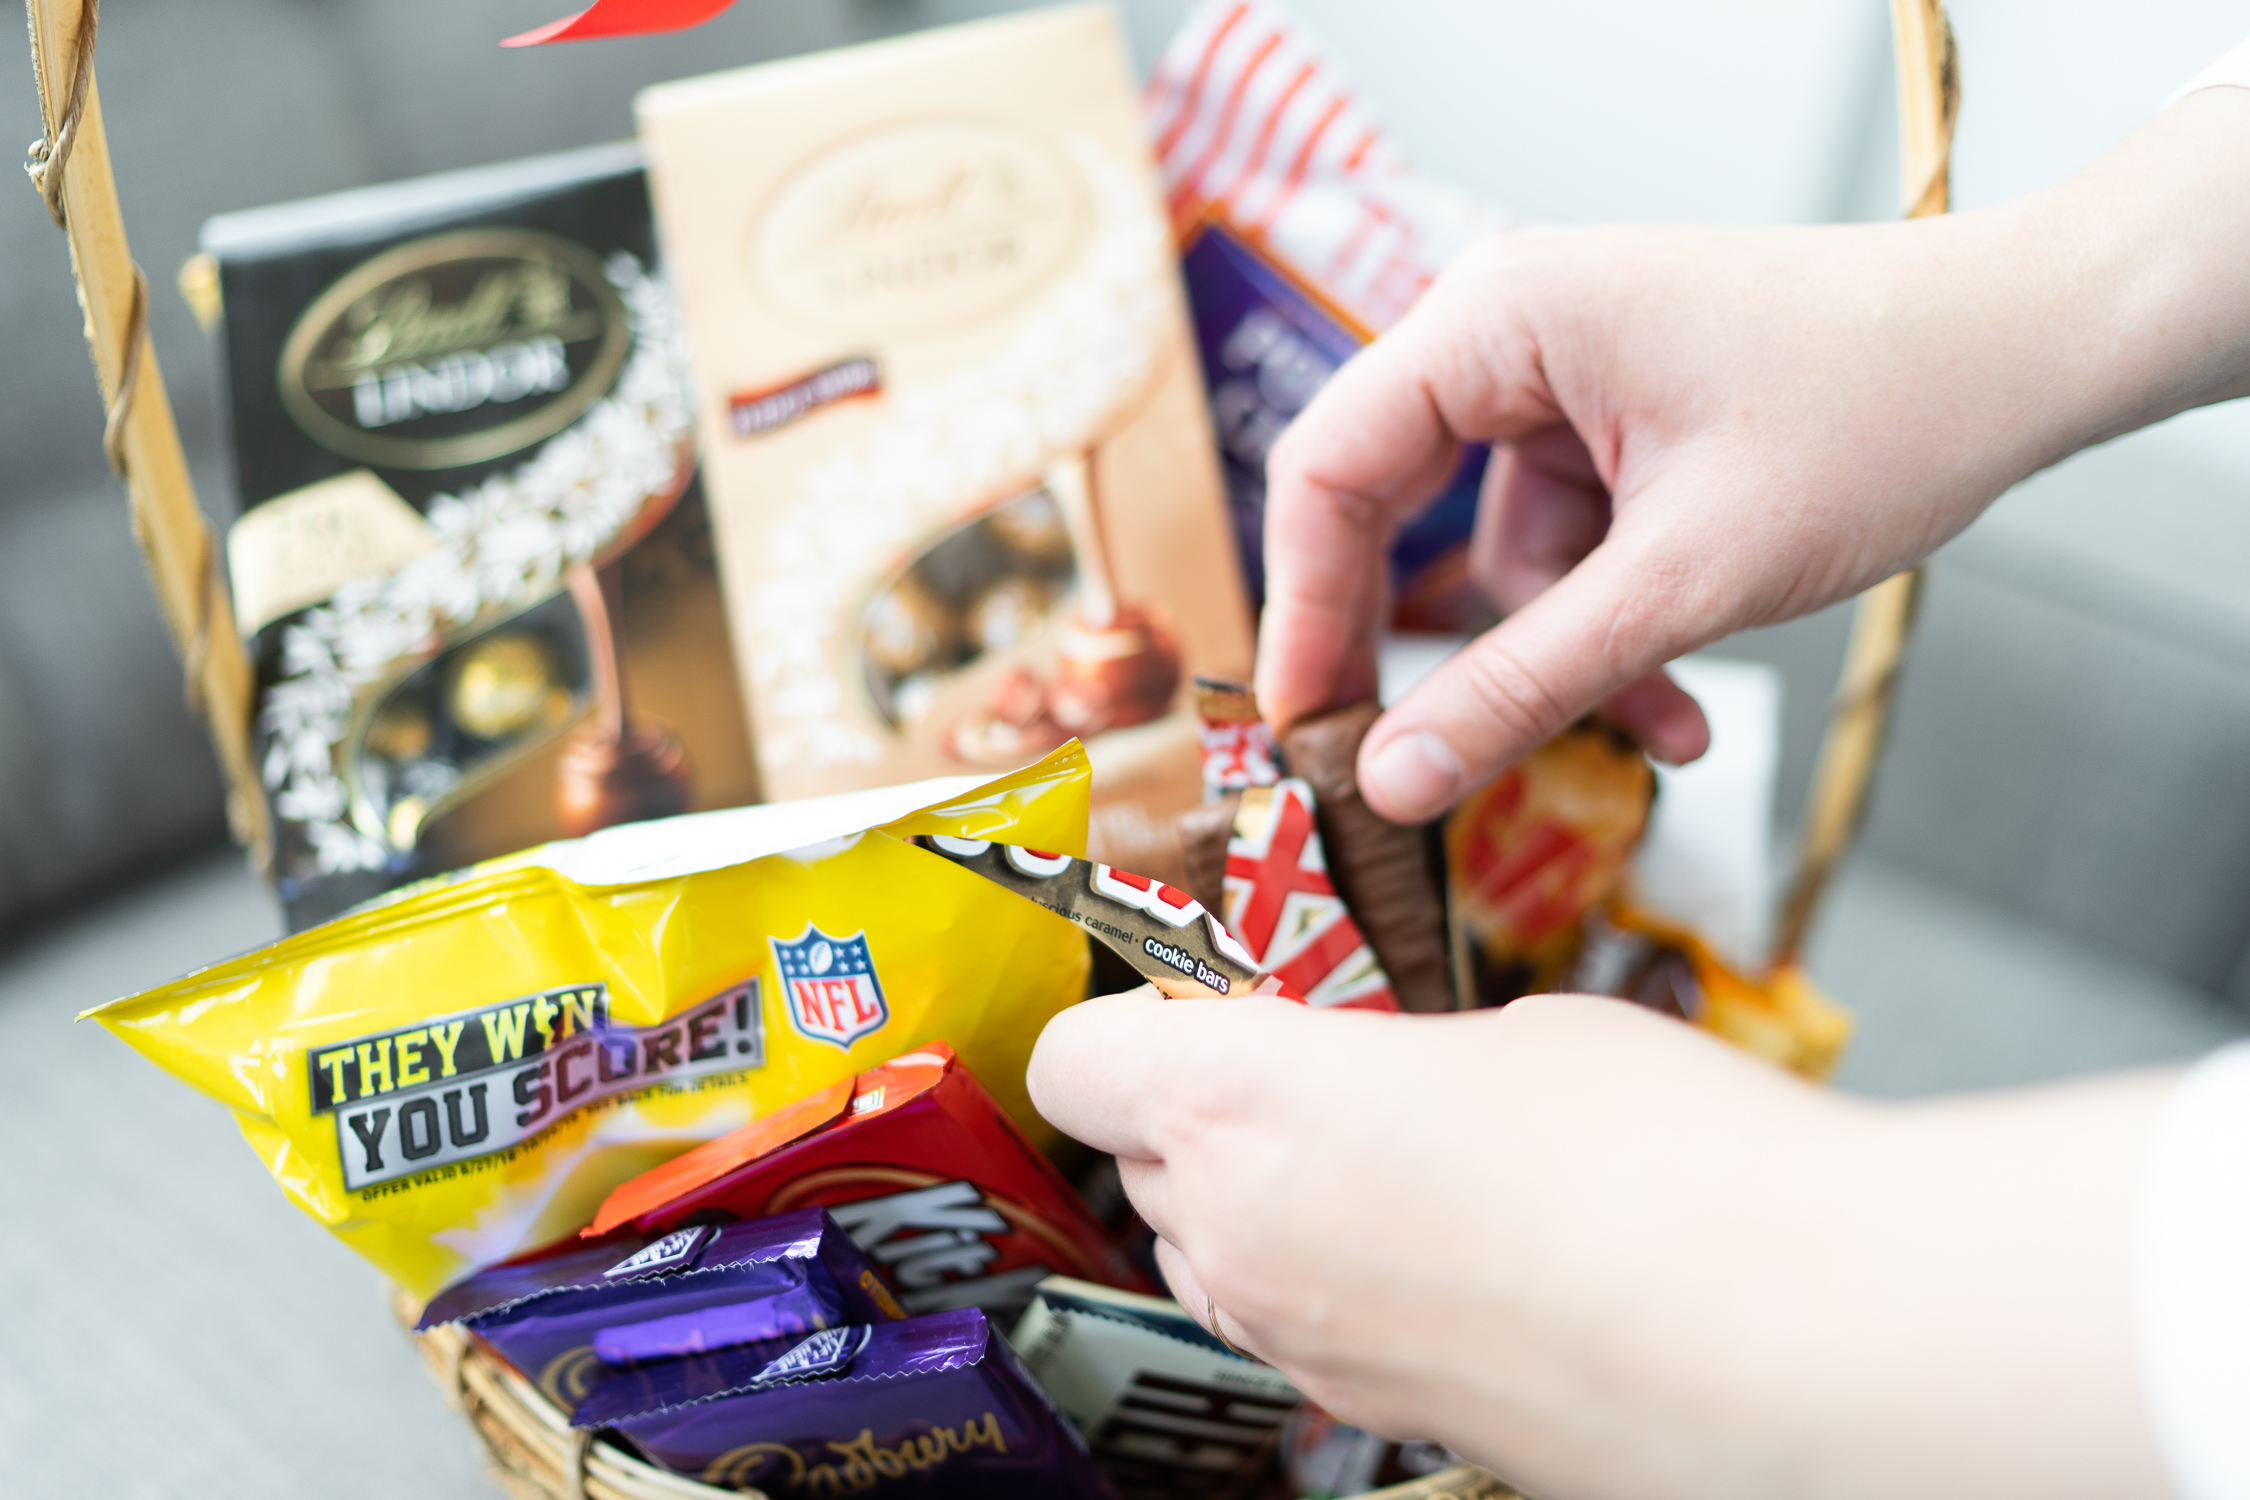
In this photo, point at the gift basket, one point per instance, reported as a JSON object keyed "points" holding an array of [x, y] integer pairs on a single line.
{"points": [[691, 785]]}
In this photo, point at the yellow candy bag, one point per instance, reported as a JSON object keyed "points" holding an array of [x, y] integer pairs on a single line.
{"points": [[465, 1071]]}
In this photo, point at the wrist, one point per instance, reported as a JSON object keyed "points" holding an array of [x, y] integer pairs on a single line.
{"points": [[2146, 307]]}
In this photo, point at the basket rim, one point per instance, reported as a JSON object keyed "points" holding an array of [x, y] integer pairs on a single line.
{"points": [[535, 1451]]}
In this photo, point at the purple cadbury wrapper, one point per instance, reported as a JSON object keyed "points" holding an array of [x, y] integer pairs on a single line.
{"points": [[927, 1409], [557, 1318]]}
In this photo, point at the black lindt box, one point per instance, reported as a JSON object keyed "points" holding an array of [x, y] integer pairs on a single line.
{"points": [[472, 557]]}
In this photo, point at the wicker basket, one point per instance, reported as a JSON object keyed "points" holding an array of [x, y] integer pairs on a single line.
{"points": [[535, 1454]]}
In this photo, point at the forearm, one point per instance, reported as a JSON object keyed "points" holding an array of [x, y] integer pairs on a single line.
{"points": [[2154, 235], [1976, 1336], [1795, 1295]]}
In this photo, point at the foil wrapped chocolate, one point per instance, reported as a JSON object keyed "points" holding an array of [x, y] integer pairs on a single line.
{"points": [[931, 1407], [686, 1292]]}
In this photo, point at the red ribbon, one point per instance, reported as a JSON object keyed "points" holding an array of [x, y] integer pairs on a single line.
{"points": [[622, 18]]}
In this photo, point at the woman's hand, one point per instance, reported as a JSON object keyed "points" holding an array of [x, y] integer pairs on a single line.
{"points": [[1702, 430], [1607, 1256]]}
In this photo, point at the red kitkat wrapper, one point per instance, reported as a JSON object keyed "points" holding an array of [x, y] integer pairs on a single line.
{"points": [[925, 1173]]}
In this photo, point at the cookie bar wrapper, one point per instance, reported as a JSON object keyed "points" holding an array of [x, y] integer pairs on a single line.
{"points": [[1166, 1408], [933, 1182], [1168, 936], [685, 1292], [933, 1407]]}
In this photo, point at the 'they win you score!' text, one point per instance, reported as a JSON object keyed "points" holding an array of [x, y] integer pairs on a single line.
{"points": [[482, 1081]]}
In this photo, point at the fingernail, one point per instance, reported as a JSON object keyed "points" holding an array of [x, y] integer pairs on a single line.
{"points": [[1416, 774]]}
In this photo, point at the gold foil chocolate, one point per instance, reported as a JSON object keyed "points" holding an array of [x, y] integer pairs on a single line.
{"points": [[506, 684]]}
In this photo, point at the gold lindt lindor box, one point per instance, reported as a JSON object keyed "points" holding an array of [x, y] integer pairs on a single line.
{"points": [[963, 481]]}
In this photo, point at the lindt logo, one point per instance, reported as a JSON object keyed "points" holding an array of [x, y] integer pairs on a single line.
{"points": [[921, 229], [455, 349]]}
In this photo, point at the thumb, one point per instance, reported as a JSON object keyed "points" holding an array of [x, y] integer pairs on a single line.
{"points": [[1598, 629]]}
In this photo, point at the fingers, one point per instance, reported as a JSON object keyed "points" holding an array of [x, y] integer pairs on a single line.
{"points": [[1596, 633], [1544, 507], [1188, 1291], [1658, 713], [1123, 1073], [1544, 510], [1149, 1185], [1367, 450], [1093, 1068], [1379, 440]]}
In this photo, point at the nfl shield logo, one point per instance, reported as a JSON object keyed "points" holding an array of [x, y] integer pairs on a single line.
{"points": [[830, 981]]}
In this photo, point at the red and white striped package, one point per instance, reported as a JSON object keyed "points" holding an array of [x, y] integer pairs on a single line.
{"points": [[1280, 903], [1282, 906], [1254, 126]]}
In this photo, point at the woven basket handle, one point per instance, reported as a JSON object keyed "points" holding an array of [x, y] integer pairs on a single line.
{"points": [[1929, 100], [70, 168]]}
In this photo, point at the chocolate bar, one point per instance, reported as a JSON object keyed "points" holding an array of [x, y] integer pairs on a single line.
{"points": [[689, 1290], [1167, 1409], [925, 1173], [1187, 850], [1381, 870], [932, 1407]]}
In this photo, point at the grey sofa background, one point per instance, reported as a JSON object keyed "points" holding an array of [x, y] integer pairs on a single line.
{"points": [[2069, 746]]}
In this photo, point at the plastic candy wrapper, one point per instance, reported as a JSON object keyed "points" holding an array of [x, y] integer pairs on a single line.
{"points": [[1269, 865], [1530, 853], [1326, 1459], [1381, 871], [1466, 1482], [1384, 872], [467, 1070], [1284, 909], [1304, 235], [1171, 939], [1333, 900], [1168, 1409], [684, 1293], [1238, 746], [932, 1407], [929, 1178], [1540, 899], [1780, 1016]]}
